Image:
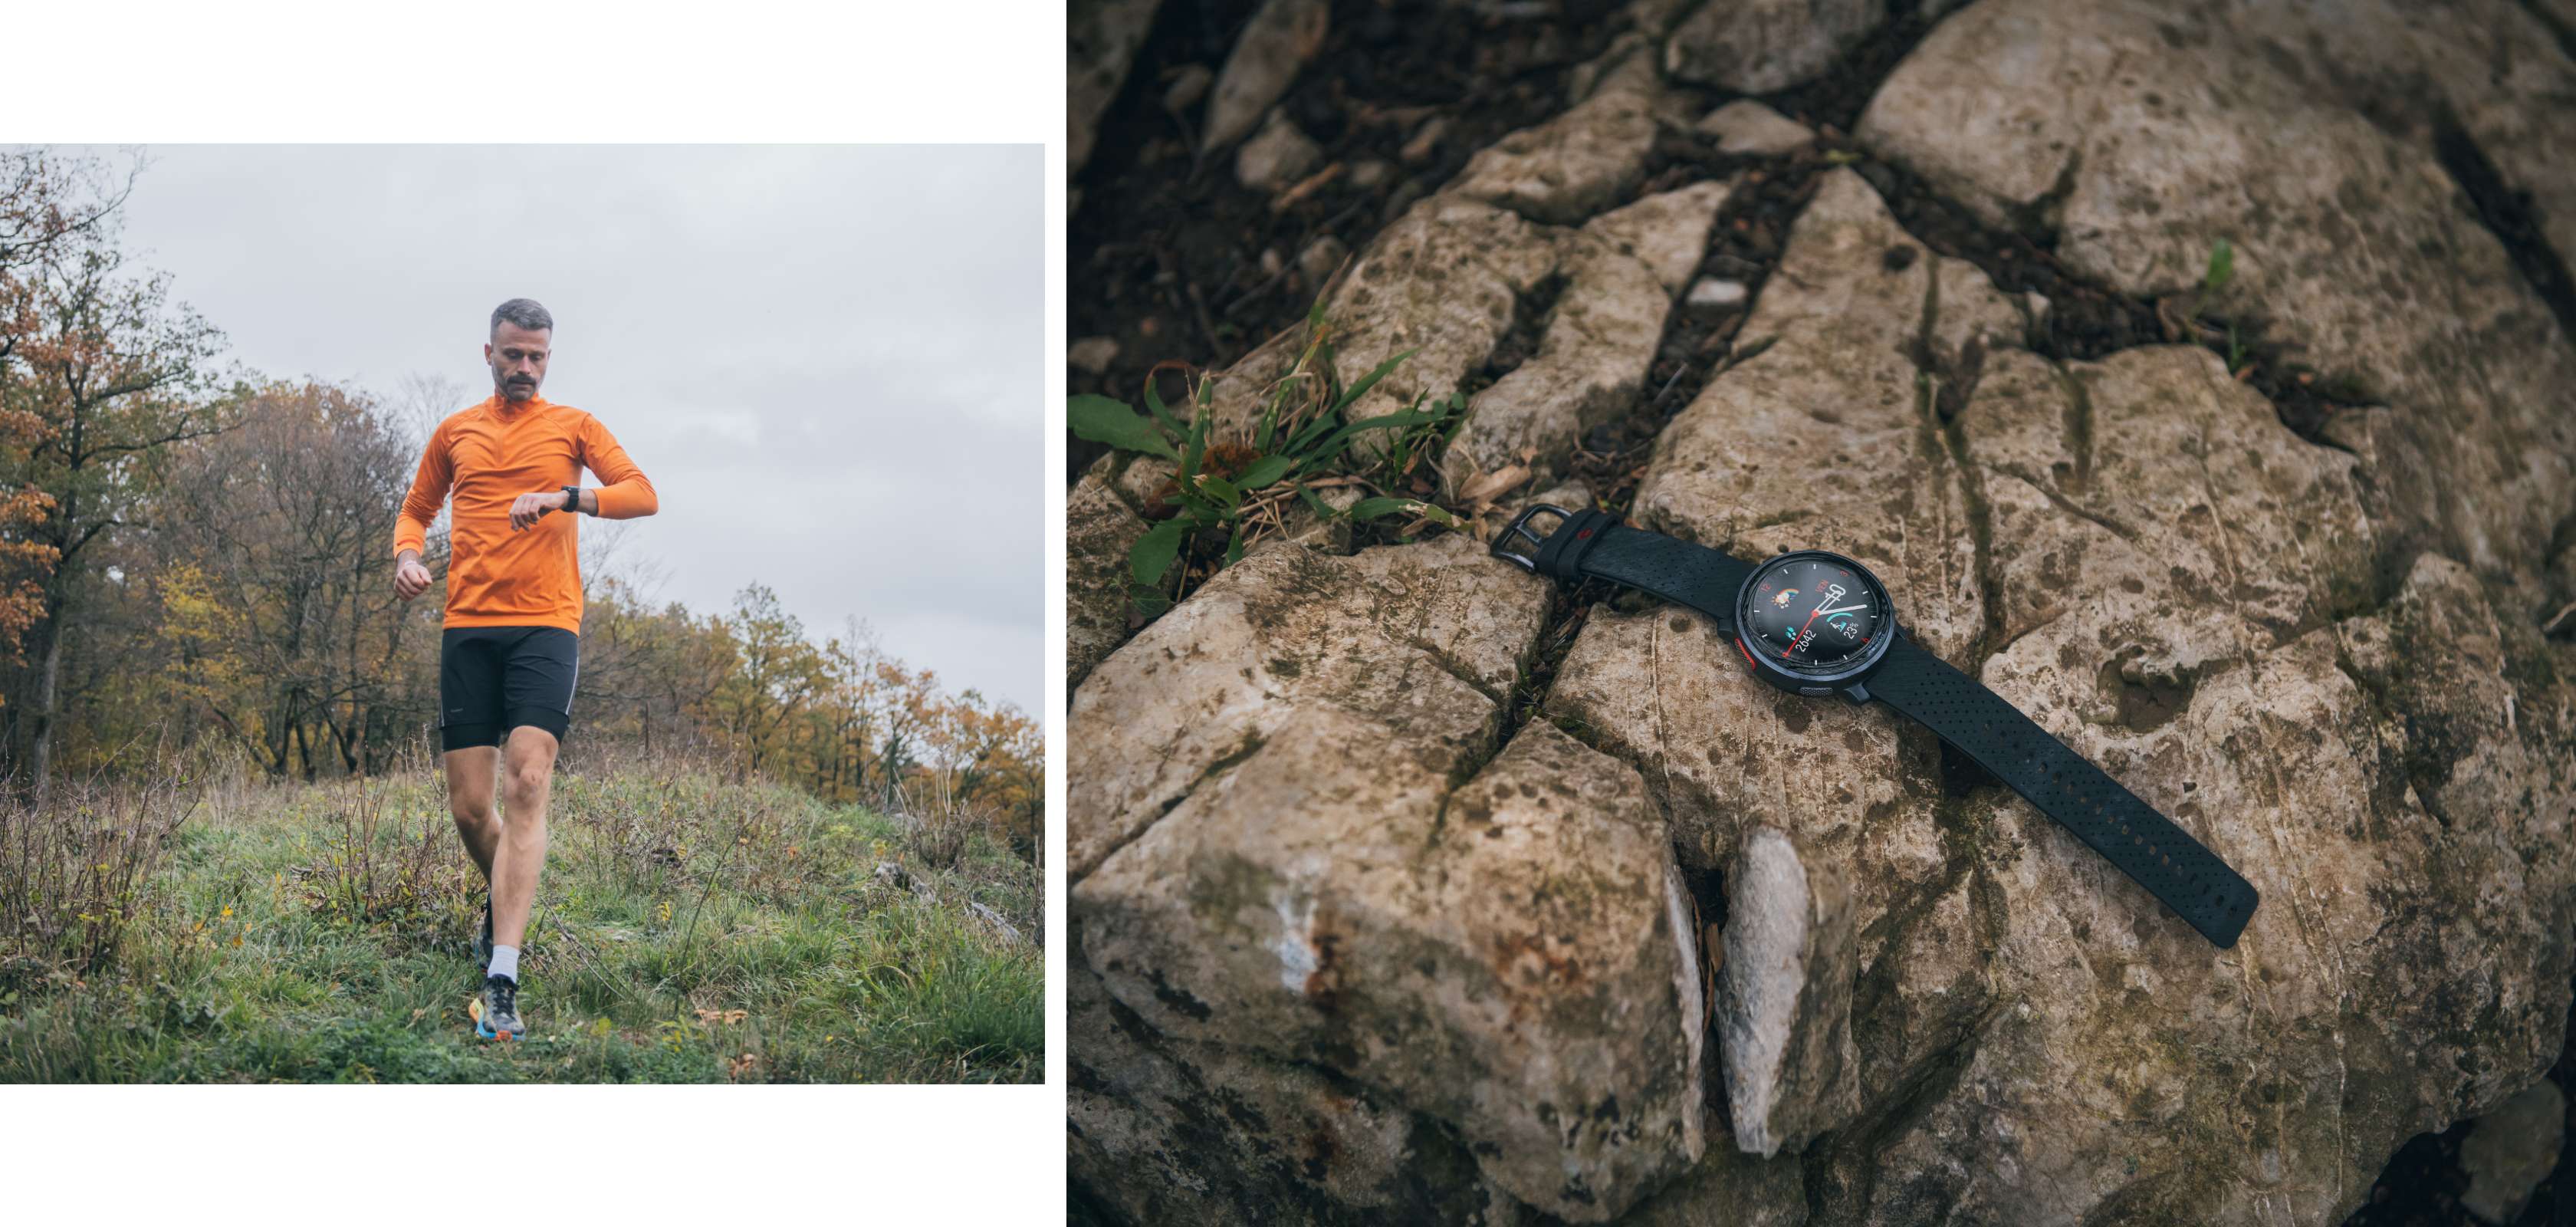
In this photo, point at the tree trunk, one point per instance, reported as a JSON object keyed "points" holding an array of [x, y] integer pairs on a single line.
{"points": [[48, 693]]}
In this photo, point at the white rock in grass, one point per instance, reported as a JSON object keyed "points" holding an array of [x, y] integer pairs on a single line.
{"points": [[1746, 126], [1092, 354], [1275, 45], [1279, 156], [1713, 292]]}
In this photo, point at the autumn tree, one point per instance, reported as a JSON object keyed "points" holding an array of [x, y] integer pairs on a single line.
{"points": [[277, 586], [46, 204]]}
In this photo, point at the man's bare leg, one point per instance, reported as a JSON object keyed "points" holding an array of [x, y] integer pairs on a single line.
{"points": [[469, 797], [527, 776]]}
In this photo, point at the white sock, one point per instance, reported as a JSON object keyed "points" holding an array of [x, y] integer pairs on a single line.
{"points": [[505, 963]]}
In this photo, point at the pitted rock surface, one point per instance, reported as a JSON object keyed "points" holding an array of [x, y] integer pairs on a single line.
{"points": [[1418, 643], [1171, 1130], [1289, 866], [1579, 163], [2140, 138], [1098, 531]]}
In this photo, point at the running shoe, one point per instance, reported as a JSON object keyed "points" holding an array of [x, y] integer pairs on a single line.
{"points": [[498, 1019]]}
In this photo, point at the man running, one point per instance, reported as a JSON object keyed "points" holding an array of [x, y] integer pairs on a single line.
{"points": [[511, 647]]}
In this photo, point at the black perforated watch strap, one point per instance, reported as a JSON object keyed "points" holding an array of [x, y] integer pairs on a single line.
{"points": [[1591, 544], [2128, 832]]}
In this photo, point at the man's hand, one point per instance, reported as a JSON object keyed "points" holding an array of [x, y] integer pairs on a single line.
{"points": [[410, 578], [527, 508]]}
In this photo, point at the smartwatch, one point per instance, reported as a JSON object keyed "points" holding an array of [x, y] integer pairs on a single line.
{"points": [[573, 502], [1820, 624]]}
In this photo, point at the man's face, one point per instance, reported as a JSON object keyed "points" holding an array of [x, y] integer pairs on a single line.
{"points": [[518, 359]]}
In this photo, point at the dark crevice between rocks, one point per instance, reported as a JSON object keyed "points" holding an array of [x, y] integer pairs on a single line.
{"points": [[2508, 215], [1533, 310], [1165, 248], [1842, 1167], [2087, 321], [1835, 99], [1744, 244]]}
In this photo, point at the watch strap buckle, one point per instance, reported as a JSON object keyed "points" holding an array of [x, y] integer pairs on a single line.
{"points": [[1558, 554]]}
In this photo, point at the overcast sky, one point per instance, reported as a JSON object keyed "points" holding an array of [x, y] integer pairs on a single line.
{"points": [[828, 359]]}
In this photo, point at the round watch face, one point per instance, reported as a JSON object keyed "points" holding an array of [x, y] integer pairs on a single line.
{"points": [[1814, 612]]}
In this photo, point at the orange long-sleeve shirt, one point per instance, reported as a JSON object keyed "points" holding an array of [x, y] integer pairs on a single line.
{"points": [[488, 456]]}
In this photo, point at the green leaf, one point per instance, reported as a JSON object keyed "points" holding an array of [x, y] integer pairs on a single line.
{"points": [[1234, 546], [1266, 470], [1153, 553], [1373, 508], [2222, 265], [1357, 390], [1162, 412], [1224, 494], [1196, 448], [1102, 420], [1333, 444], [1315, 503]]}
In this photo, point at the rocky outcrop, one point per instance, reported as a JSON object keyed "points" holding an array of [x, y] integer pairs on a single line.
{"points": [[1460, 931], [1384, 865], [2139, 140]]}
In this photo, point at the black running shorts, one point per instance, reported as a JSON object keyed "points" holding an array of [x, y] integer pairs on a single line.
{"points": [[492, 679]]}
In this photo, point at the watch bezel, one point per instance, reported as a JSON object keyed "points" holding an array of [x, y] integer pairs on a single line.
{"points": [[1790, 676]]}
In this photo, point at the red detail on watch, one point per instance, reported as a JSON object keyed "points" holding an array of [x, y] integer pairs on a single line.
{"points": [[1581, 533], [1748, 652]]}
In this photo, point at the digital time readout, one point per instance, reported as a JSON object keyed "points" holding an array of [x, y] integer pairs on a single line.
{"points": [[1813, 614]]}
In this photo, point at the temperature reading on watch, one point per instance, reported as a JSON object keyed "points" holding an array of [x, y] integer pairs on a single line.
{"points": [[1812, 613]]}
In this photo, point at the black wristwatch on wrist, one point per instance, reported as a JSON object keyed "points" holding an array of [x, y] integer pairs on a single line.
{"points": [[1820, 624], [572, 503]]}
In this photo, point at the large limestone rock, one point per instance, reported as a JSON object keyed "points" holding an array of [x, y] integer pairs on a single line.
{"points": [[2140, 139], [1421, 642], [1294, 839], [2163, 576]]}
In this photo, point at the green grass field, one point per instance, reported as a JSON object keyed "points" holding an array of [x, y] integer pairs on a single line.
{"points": [[686, 931]]}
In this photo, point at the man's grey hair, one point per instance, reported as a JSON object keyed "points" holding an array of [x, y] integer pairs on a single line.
{"points": [[525, 312]]}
